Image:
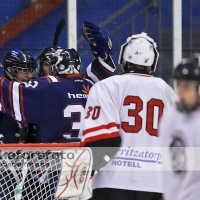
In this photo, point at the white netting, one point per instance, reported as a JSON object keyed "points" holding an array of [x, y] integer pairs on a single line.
{"points": [[29, 174]]}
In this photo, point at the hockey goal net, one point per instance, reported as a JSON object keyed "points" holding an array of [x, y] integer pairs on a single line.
{"points": [[31, 171]]}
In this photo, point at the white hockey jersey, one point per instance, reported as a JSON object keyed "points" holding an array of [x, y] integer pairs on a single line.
{"points": [[181, 166], [128, 105]]}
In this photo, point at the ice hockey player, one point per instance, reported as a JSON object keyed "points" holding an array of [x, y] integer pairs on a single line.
{"points": [[179, 133], [124, 110], [19, 66]]}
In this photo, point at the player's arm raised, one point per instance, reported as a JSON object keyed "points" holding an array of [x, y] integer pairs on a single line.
{"points": [[102, 66]]}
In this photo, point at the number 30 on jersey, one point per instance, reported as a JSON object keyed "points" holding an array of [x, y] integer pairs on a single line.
{"points": [[134, 112]]}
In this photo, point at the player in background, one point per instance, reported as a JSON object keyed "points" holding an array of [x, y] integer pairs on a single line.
{"points": [[179, 133], [124, 110], [19, 66]]}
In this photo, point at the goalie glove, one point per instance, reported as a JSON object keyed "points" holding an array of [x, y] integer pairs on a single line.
{"points": [[98, 39]]}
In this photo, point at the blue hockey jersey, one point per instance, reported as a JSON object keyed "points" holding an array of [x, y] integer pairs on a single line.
{"points": [[55, 105], [10, 129]]}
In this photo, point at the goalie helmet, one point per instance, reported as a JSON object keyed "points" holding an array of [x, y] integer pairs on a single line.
{"points": [[45, 57], [187, 79], [19, 65], [67, 61], [140, 50]]}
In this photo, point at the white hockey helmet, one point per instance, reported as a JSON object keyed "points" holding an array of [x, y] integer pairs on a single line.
{"points": [[140, 50]]}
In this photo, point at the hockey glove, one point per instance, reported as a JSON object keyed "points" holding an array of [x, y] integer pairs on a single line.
{"points": [[98, 39]]}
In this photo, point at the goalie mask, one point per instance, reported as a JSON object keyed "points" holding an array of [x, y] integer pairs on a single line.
{"points": [[67, 61], [187, 79], [139, 50], [19, 65], [44, 59]]}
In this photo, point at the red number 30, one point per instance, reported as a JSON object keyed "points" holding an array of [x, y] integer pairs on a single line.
{"points": [[95, 112], [138, 120]]}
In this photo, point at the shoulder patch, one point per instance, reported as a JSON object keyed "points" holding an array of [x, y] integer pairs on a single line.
{"points": [[86, 89]]}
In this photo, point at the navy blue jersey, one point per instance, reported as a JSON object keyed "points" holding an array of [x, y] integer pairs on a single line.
{"points": [[9, 129], [55, 105]]}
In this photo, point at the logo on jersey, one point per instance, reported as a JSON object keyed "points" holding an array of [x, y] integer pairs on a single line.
{"points": [[178, 154], [78, 80], [146, 60], [78, 96], [86, 89], [109, 43]]}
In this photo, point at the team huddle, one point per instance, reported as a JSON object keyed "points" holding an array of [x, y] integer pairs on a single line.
{"points": [[141, 123]]}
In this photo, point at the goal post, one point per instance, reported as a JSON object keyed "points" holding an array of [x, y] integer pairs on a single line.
{"points": [[43, 171], [177, 34], [72, 23]]}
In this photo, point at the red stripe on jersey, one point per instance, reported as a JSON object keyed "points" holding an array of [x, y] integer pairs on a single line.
{"points": [[94, 72], [2, 100], [97, 128], [21, 99], [100, 137], [10, 98], [106, 70], [48, 79], [58, 78], [73, 76]]}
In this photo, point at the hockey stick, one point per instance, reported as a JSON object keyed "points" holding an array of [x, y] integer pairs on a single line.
{"points": [[58, 30]]}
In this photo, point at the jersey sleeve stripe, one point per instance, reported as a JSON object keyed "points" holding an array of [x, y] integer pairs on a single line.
{"points": [[2, 100], [96, 73], [58, 79], [105, 66], [10, 98], [99, 132], [16, 103], [90, 81], [53, 79], [91, 75], [22, 103], [47, 78], [97, 128], [99, 137]]}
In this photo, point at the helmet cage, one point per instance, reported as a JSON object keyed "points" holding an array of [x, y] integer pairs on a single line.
{"points": [[47, 54], [12, 71], [67, 62]]}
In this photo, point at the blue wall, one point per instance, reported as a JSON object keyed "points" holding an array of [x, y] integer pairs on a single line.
{"points": [[40, 34]]}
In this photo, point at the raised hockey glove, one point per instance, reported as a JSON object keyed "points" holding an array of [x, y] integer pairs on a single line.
{"points": [[98, 39]]}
